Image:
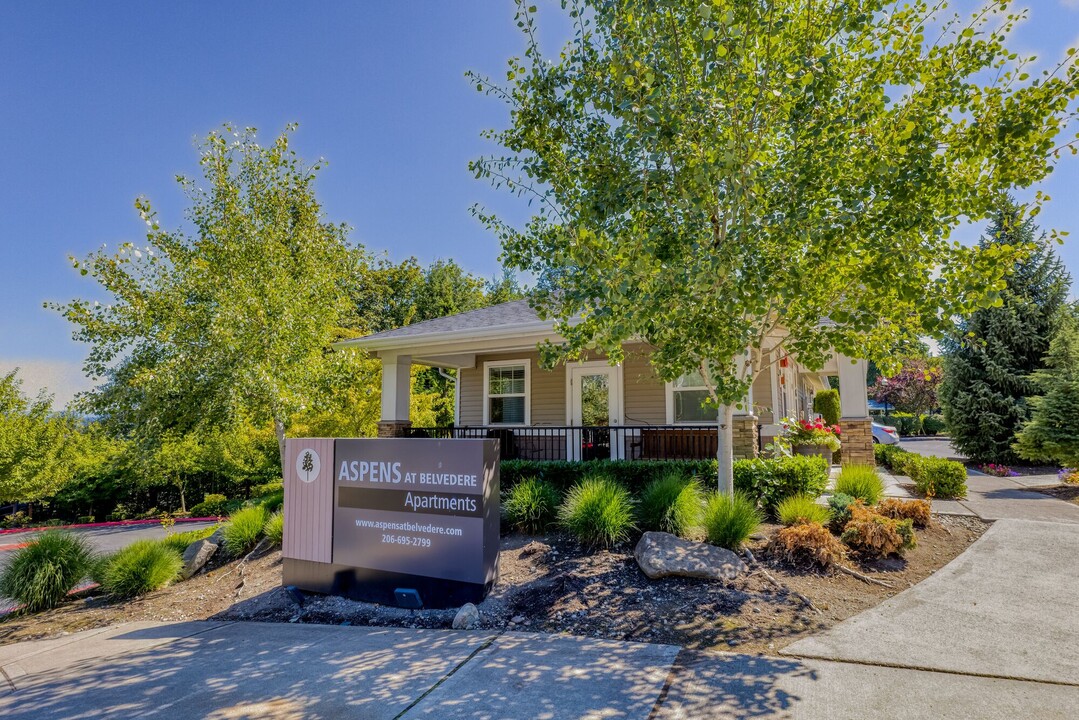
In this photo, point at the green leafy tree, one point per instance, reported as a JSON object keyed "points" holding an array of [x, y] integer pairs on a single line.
{"points": [[39, 448], [232, 317], [1052, 432], [990, 362], [710, 176]]}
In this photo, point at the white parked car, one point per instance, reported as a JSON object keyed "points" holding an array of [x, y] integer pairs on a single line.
{"points": [[885, 434]]}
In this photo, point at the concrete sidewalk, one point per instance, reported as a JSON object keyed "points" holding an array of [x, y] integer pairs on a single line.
{"points": [[1007, 607], [995, 498], [261, 670]]}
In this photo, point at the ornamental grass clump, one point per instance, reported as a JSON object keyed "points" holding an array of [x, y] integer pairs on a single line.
{"points": [[798, 509], [873, 535], [806, 544], [598, 512], [672, 503], [244, 529], [141, 567], [40, 575], [179, 541], [861, 482], [729, 520], [531, 505], [274, 529], [917, 511]]}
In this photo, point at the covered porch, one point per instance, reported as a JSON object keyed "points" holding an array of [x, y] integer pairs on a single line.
{"points": [[590, 409]]}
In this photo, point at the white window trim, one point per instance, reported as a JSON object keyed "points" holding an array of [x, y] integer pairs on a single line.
{"points": [[487, 388], [670, 390]]}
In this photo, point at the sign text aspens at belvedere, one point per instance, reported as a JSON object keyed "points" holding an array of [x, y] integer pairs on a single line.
{"points": [[414, 507]]}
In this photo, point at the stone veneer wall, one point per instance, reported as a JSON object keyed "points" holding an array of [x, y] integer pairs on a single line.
{"points": [[857, 439], [393, 428], [745, 445]]}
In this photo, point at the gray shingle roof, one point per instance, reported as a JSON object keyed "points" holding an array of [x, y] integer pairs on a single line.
{"points": [[512, 313]]}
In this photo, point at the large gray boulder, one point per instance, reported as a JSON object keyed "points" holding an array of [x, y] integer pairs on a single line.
{"points": [[661, 554], [196, 555], [467, 618]]}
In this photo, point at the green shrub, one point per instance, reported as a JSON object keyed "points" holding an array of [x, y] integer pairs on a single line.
{"points": [[274, 529], [531, 506], [906, 424], [826, 404], [880, 453], [861, 482], [839, 504], [272, 502], [798, 509], [212, 505], [40, 575], [939, 478], [769, 481], [933, 424], [634, 475], [141, 567], [672, 503], [729, 520], [179, 541], [903, 462], [269, 488], [598, 512], [244, 528]]}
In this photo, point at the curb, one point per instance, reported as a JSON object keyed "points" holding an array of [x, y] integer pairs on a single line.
{"points": [[113, 523]]}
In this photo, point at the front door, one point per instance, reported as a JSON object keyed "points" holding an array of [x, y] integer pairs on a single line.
{"points": [[595, 409]]}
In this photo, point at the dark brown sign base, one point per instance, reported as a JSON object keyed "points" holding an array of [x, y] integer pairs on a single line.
{"points": [[377, 586]]}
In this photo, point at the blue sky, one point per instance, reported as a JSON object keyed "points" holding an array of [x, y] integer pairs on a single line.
{"points": [[100, 102]]}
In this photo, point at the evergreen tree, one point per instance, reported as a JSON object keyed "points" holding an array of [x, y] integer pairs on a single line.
{"points": [[988, 365], [1052, 432]]}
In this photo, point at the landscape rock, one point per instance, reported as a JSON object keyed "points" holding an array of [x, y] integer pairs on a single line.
{"points": [[467, 618], [196, 555], [661, 554], [218, 537]]}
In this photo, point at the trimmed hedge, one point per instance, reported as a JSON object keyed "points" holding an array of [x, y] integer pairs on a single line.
{"points": [[770, 481], [933, 424], [212, 505], [765, 481], [634, 475], [895, 458], [826, 404], [937, 477]]}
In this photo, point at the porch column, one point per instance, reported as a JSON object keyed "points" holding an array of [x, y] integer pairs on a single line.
{"points": [[745, 439], [396, 385], [855, 423]]}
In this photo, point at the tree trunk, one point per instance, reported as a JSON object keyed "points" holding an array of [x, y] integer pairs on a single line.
{"points": [[725, 449], [279, 429]]}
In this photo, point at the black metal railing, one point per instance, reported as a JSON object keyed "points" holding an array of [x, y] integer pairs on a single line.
{"points": [[589, 442]]}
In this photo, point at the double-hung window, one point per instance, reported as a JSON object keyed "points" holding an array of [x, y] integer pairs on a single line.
{"points": [[685, 400], [506, 393]]}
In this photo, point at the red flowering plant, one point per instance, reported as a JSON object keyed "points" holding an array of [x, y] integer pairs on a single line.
{"points": [[811, 432]]}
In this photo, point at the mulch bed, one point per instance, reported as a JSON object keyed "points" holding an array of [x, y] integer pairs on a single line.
{"points": [[551, 584], [1069, 493]]}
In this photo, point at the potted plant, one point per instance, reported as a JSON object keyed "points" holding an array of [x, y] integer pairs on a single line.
{"points": [[812, 437]]}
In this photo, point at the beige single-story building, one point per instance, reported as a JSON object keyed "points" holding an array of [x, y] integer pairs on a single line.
{"points": [[592, 409]]}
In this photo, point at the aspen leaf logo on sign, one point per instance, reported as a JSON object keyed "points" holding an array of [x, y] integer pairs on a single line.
{"points": [[308, 465]]}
